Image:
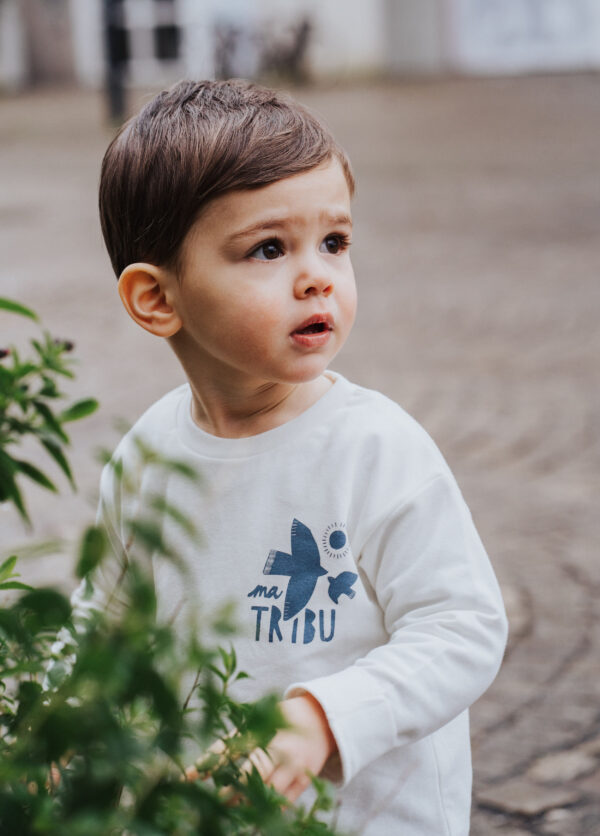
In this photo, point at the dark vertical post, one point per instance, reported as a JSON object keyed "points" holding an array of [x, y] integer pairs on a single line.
{"points": [[116, 53]]}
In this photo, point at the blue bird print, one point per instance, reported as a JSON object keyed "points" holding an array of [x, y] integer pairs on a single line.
{"points": [[303, 566], [342, 585]]}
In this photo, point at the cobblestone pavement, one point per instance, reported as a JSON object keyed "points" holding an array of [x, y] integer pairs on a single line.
{"points": [[477, 253]]}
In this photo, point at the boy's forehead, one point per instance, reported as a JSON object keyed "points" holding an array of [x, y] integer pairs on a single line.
{"points": [[321, 191]]}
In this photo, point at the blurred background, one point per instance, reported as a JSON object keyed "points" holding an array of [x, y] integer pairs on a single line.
{"points": [[473, 128]]}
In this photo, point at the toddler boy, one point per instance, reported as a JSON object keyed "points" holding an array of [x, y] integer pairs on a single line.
{"points": [[364, 594]]}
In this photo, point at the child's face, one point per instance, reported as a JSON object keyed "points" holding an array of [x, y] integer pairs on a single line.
{"points": [[266, 292]]}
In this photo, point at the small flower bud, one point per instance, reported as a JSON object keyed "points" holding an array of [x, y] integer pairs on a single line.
{"points": [[66, 345], [4, 352]]}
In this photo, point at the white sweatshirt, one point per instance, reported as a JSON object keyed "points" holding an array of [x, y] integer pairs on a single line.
{"points": [[358, 576]]}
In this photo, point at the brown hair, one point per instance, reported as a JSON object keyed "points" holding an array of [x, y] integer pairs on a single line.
{"points": [[190, 144]]}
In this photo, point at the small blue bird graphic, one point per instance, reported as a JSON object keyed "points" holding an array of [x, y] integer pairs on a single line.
{"points": [[303, 566], [342, 585]]}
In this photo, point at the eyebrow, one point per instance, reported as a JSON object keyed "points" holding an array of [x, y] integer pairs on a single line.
{"points": [[341, 219]]}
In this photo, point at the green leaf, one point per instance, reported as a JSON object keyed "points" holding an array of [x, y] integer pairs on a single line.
{"points": [[23, 369], [15, 585], [225, 658], [233, 659], [36, 475], [17, 427], [148, 533], [57, 454], [185, 470], [7, 467], [19, 504], [160, 504], [78, 410], [15, 307], [45, 608], [40, 349], [8, 485], [7, 575], [30, 694], [217, 672], [91, 552], [224, 619], [229, 660], [50, 420], [6, 570]]}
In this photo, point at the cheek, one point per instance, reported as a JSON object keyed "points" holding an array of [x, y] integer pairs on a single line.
{"points": [[254, 323], [353, 300], [348, 301]]}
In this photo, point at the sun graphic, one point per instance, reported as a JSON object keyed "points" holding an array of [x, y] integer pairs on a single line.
{"points": [[335, 540]]}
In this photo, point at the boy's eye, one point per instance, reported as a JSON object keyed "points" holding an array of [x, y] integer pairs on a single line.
{"points": [[268, 251], [334, 244]]}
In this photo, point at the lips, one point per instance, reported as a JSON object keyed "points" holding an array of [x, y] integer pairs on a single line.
{"points": [[316, 324], [314, 331]]}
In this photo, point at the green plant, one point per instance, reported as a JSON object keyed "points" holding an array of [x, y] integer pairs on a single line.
{"points": [[94, 730], [28, 392]]}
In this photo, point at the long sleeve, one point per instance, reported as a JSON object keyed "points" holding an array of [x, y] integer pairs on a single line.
{"points": [[445, 646], [102, 594]]}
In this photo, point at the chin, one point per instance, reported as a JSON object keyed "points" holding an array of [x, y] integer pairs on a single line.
{"points": [[310, 377], [308, 372]]}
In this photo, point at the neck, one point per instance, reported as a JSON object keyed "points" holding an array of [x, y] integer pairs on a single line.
{"points": [[237, 413], [232, 404]]}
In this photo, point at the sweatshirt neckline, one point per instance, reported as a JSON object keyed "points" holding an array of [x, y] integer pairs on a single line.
{"points": [[214, 446]]}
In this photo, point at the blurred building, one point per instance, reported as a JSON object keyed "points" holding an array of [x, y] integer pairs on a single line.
{"points": [[157, 41]]}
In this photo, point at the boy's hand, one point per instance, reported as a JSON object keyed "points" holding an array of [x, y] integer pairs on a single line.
{"points": [[303, 748], [294, 752]]}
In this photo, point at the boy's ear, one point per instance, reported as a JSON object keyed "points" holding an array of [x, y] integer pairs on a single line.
{"points": [[142, 288]]}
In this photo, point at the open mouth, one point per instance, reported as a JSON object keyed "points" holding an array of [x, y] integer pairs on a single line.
{"points": [[318, 324], [314, 332], [314, 328]]}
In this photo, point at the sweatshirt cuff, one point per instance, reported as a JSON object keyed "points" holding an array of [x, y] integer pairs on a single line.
{"points": [[359, 716]]}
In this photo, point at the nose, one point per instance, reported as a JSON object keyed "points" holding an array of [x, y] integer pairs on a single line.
{"points": [[313, 280]]}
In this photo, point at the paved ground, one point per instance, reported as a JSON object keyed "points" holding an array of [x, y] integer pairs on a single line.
{"points": [[478, 254]]}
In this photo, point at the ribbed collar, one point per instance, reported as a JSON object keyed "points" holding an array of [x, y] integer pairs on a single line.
{"points": [[212, 446]]}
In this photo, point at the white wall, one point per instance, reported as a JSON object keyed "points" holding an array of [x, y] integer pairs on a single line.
{"points": [[348, 35], [197, 47], [87, 39], [511, 36], [415, 35], [201, 17], [13, 69]]}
